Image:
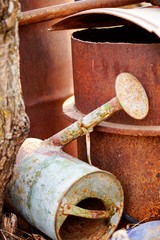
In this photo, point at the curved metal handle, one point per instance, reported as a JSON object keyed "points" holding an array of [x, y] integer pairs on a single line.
{"points": [[70, 209]]}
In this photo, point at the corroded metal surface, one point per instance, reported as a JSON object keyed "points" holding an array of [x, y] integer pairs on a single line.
{"points": [[73, 114], [105, 53], [127, 147], [48, 184], [70, 209], [63, 10], [131, 97], [148, 18], [131, 153], [46, 74], [135, 162]]}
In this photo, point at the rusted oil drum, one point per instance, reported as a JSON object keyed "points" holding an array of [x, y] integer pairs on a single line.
{"points": [[126, 147], [46, 73]]}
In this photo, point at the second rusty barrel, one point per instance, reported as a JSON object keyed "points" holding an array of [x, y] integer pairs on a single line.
{"points": [[126, 147], [46, 73]]}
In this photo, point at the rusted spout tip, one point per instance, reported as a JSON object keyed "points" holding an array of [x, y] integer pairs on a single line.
{"points": [[132, 96]]}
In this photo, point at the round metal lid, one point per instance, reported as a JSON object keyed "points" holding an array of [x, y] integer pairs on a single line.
{"points": [[145, 17], [132, 96]]}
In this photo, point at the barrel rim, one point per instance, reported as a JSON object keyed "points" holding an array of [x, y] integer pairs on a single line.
{"points": [[73, 114]]}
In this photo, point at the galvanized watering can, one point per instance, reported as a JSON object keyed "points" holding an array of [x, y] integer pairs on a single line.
{"points": [[62, 196]]}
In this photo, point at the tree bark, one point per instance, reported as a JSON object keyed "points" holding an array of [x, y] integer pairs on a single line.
{"points": [[14, 123]]}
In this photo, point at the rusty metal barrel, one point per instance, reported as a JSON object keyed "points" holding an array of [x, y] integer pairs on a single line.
{"points": [[124, 146], [46, 73]]}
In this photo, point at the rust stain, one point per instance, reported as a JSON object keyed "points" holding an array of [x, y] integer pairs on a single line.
{"points": [[20, 191], [124, 146]]}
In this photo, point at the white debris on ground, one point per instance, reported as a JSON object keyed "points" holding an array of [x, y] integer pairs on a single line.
{"points": [[120, 235]]}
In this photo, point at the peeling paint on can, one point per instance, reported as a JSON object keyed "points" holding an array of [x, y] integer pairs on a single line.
{"points": [[48, 186]]}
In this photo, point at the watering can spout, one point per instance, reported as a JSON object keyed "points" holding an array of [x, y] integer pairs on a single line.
{"points": [[130, 96]]}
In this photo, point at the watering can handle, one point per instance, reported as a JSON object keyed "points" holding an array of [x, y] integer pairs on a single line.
{"points": [[73, 210]]}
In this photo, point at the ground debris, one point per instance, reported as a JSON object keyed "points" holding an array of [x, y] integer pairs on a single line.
{"points": [[120, 235], [10, 231]]}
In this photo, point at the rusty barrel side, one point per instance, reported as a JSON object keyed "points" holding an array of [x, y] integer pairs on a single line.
{"points": [[99, 55], [126, 147], [46, 73]]}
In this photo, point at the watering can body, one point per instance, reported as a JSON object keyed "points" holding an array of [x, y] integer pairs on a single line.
{"points": [[46, 181]]}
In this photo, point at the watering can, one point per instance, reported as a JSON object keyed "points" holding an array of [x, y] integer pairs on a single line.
{"points": [[62, 196]]}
